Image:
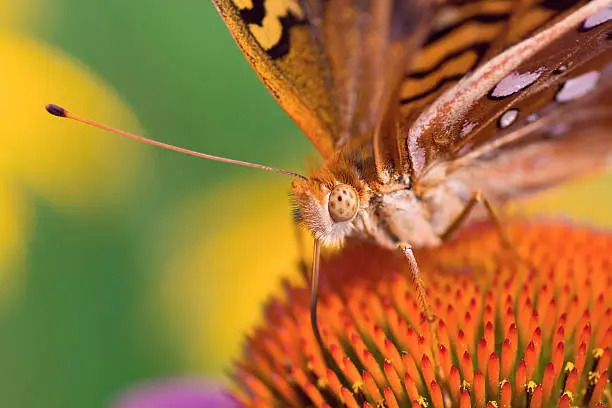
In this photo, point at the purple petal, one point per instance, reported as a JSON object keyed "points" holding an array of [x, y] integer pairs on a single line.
{"points": [[175, 393]]}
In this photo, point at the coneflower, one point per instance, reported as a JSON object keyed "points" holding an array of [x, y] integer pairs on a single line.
{"points": [[530, 331]]}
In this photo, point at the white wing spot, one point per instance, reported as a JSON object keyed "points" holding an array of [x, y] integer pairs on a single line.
{"points": [[515, 82], [532, 118], [577, 87], [467, 129], [602, 16], [508, 118]]}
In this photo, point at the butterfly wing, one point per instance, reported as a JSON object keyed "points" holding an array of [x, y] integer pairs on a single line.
{"points": [[332, 65], [368, 44], [276, 39], [464, 36], [509, 88], [567, 138]]}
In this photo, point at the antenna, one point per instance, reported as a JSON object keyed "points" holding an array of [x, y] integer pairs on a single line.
{"points": [[58, 111]]}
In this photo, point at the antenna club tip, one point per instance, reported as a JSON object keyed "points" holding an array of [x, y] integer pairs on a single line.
{"points": [[56, 110]]}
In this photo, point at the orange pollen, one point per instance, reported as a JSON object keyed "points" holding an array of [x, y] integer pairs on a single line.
{"points": [[510, 331]]}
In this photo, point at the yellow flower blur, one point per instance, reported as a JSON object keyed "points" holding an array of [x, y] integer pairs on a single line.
{"points": [[231, 249], [588, 200], [68, 165]]}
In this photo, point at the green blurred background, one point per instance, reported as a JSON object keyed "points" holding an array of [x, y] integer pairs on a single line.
{"points": [[103, 292]]}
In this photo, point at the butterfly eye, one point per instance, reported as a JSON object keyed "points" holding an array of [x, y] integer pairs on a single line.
{"points": [[343, 203]]}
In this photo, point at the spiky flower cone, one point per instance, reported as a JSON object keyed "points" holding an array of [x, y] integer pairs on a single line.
{"points": [[509, 333]]}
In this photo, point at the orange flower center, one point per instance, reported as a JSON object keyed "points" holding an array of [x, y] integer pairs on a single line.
{"points": [[531, 332]]}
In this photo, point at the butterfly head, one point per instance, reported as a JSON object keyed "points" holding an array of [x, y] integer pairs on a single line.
{"points": [[327, 209]]}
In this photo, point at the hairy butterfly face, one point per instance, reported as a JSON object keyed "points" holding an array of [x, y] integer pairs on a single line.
{"points": [[326, 210]]}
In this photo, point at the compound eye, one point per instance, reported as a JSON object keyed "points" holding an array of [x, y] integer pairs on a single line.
{"points": [[343, 203]]}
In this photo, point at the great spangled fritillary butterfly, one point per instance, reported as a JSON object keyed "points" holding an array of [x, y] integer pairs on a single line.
{"points": [[423, 108]]}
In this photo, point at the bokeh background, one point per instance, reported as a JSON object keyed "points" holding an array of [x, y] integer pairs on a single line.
{"points": [[120, 262]]}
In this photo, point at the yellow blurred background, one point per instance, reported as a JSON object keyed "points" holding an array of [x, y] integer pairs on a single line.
{"points": [[121, 262]]}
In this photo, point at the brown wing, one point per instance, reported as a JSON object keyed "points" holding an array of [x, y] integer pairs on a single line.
{"points": [[570, 139], [333, 65], [368, 44], [464, 36], [473, 112]]}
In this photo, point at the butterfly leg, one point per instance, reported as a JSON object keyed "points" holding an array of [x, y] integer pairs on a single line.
{"points": [[505, 238], [415, 272], [476, 198]]}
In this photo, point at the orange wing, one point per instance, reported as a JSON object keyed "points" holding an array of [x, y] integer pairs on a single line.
{"points": [[333, 65], [276, 39]]}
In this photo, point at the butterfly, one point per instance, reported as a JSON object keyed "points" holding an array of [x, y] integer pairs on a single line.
{"points": [[423, 109]]}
